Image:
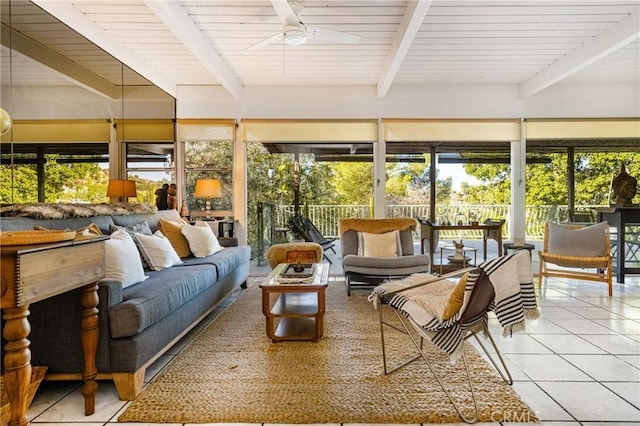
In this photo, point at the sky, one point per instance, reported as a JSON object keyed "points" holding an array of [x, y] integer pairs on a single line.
{"points": [[457, 174]]}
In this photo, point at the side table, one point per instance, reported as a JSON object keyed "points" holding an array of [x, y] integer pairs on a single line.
{"points": [[457, 265], [512, 246]]}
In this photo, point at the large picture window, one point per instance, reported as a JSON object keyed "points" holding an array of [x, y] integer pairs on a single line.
{"points": [[208, 154], [150, 164]]}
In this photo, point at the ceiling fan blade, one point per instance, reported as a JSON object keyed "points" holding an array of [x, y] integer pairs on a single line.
{"points": [[323, 34], [284, 12], [276, 38]]}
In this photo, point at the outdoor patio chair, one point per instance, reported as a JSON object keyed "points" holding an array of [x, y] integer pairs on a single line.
{"points": [[302, 226], [503, 286], [583, 252]]}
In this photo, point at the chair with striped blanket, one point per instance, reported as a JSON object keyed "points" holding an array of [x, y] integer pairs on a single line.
{"points": [[447, 313]]}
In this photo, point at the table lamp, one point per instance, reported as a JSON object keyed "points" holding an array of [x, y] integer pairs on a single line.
{"points": [[123, 189], [208, 189]]}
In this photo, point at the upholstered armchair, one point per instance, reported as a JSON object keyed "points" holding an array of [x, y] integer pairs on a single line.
{"points": [[375, 250], [583, 252]]}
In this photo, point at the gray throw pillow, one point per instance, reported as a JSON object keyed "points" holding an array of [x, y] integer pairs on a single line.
{"points": [[587, 241]]}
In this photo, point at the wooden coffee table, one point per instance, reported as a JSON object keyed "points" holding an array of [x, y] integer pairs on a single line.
{"points": [[294, 311]]}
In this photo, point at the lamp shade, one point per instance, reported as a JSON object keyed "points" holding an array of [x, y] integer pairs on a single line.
{"points": [[121, 188], [5, 121], [208, 188]]}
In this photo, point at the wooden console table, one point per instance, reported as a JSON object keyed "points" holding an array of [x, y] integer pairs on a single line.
{"points": [[621, 218], [428, 231], [31, 273]]}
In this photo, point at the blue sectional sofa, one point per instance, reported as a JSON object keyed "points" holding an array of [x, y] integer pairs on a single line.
{"points": [[137, 323]]}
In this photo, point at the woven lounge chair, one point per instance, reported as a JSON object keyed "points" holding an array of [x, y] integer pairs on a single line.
{"points": [[583, 252]]}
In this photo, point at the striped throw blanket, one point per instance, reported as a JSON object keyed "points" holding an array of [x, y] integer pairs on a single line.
{"points": [[514, 301]]}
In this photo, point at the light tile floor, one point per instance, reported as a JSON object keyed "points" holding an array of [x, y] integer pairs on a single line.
{"points": [[579, 364]]}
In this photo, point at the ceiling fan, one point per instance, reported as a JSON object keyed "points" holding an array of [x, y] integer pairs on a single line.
{"points": [[295, 33]]}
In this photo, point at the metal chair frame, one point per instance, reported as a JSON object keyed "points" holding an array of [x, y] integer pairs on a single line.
{"points": [[471, 327]]}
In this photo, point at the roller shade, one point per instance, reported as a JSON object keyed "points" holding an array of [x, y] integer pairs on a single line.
{"points": [[316, 131]]}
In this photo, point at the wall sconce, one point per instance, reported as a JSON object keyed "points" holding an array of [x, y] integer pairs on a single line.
{"points": [[122, 189], [208, 189]]}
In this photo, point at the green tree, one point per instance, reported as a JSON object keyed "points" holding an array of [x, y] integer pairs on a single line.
{"points": [[353, 182], [64, 182], [547, 183]]}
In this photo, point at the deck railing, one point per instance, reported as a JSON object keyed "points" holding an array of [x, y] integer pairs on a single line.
{"points": [[326, 217]]}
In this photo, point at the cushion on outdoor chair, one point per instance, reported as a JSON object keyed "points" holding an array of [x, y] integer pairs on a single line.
{"points": [[577, 241]]}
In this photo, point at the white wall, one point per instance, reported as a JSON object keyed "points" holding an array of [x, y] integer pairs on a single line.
{"points": [[460, 101]]}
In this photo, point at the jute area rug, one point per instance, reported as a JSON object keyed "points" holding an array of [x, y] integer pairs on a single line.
{"points": [[233, 373]]}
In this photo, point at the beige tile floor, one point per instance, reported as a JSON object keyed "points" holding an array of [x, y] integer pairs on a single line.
{"points": [[579, 364]]}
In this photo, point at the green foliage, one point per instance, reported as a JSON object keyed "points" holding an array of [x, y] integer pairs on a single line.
{"points": [[547, 183], [353, 182], [63, 182]]}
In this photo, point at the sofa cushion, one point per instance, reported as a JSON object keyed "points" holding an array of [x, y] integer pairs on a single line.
{"points": [[151, 219], [121, 260], [157, 251], [202, 241], [173, 231], [225, 261], [164, 292]]}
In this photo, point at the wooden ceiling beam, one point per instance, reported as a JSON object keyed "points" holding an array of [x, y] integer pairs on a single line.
{"points": [[409, 26], [66, 12], [625, 32], [173, 15]]}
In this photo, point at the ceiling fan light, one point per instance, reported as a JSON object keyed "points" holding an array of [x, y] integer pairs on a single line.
{"points": [[295, 36]]}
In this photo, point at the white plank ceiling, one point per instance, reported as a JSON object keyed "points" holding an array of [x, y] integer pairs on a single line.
{"points": [[530, 43]]}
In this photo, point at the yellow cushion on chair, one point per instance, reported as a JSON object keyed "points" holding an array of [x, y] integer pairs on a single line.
{"points": [[456, 298]]}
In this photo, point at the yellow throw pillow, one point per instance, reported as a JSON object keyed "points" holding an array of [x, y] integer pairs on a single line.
{"points": [[456, 298], [173, 231]]}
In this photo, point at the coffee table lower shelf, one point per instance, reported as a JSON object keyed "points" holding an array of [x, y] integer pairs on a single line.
{"points": [[295, 329], [294, 315]]}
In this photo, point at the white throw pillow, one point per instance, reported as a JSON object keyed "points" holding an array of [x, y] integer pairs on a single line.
{"points": [[157, 251], [202, 241], [379, 245], [122, 261]]}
